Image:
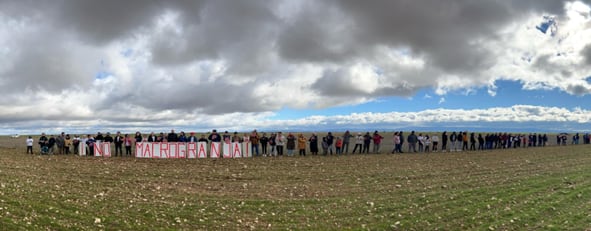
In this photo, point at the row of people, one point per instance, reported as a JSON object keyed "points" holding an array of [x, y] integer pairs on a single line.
{"points": [[276, 143]]}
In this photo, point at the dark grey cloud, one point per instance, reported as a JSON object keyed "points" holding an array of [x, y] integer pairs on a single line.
{"points": [[60, 46], [586, 52]]}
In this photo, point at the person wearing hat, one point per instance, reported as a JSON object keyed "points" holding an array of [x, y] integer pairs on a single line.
{"points": [[192, 138]]}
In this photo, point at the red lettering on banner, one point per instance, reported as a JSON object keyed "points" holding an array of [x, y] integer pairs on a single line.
{"points": [[106, 149], [237, 150], [148, 150], [192, 150], [215, 150], [202, 150], [138, 149], [181, 150], [246, 150], [227, 149], [98, 151], [164, 150]]}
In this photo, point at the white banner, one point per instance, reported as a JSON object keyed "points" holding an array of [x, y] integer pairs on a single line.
{"points": [[181, 150]]}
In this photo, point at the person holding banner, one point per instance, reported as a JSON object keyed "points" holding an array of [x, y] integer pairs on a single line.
{"points": [[182, 137], [90, 141], [172, 137], [138, 137], [152, 137], [192, 138], [160, 137], [214, 136], [236, 138], [226, 137], [202, 139], [254, 142]]}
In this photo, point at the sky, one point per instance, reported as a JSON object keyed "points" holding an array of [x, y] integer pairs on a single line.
{"points": [[82, 66]]}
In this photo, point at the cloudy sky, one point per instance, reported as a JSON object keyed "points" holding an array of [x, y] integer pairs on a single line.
{"points": [[86, 65]]}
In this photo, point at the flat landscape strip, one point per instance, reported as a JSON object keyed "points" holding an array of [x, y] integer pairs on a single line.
{"points": [[514, 189]]}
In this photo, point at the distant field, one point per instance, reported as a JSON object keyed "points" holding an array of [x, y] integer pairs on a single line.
{"points": [[516, 189]]}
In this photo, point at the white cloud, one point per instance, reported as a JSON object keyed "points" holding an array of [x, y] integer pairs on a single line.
{"points": [[219, 59]]}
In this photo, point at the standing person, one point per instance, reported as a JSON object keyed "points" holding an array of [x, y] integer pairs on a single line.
{"points": [[435, 142], [182, 137], [264, 140], [152, 137], [138, 137], [90, 145], [67, 144], [421, 142], [444, 141], [245, 138], [452, 138], [377, 140], [161, 137], [172, 136], [59, 142], [192, 138], [29, 142], [254, 142], [330, 142], [366, 141], [203, 138], [339, 145], [412, 142], [401, 140], [118, 144], [214, 136], [280, 142], [273, 144], [76, 144], [465, 141], [358, 142], [302, 144], [291, 143], [324, 146], [427, 142], [99, 137], [481, 142], [346, 140], [127, 141], [313, 144], [396, 142], [236, 138], [43, 142], [51, 144], [472, 142], [226, 137], [108, 138]]}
